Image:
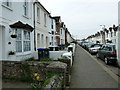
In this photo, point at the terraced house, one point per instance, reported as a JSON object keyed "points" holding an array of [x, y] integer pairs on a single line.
{"points": [[25, 26], [16, 30], [105, 36], [52, 34], [42, 25]]}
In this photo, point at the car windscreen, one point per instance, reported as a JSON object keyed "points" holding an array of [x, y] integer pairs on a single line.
{"points": [[97, 46], [108, 48]]}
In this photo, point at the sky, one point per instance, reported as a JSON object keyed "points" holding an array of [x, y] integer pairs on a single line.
{"points": [[84, 17]]}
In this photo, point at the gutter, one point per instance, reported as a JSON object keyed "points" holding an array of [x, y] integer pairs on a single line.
{"points": [[34, 26]]}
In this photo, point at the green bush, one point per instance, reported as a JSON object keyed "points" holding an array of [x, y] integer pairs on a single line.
{"points": [[64, 60], [46, 59], [26, 77], [49, 75]]}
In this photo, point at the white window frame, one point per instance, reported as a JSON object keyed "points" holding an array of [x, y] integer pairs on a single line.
{"points": [[25, 7], [52, 24], [7, 3], [42, 40], [38, 14], [18, 39], [45, 19], [61, 32], [26, 39], [115, 33], [23, 40]]}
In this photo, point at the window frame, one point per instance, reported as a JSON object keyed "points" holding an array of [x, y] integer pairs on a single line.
{"points": [[7, 3], [17, 40], [45, 19], [23, 40], [27, 39], [115, 33], [52, 24], [25, 7], [38, 14], [7, 6]]}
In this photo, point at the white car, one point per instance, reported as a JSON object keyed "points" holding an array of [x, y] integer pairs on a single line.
{"points": [[94, 49]]}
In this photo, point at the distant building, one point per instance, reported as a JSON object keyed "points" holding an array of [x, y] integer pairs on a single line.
{"points": [[58, 24], [62, 33], [105, 36], [52, 34]]}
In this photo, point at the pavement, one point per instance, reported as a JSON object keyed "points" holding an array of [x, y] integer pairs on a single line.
{"points": [[88, 73]]}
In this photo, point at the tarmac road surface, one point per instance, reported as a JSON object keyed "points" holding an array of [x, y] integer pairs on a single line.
{"points": [[87, 73]]}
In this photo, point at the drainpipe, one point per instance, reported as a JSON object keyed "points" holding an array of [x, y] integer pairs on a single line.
{"points": [[34, 26]]}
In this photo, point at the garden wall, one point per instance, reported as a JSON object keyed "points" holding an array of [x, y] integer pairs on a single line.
{"points": [[24, 71]]}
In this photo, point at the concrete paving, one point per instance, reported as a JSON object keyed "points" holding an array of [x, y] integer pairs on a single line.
{"points": [[87, 73]]}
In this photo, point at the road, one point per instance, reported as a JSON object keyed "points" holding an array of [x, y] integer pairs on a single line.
{"points": [[87, 72]]}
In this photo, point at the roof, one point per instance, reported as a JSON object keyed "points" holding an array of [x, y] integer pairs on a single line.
{"points": [[41, 6], [57, 18], [19, 24]]}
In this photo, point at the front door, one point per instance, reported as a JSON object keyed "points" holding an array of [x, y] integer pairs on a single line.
{"points": [[2, 42]]}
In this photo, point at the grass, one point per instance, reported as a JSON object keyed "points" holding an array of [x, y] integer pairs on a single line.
{"points": [[46, 59], [46, 82]]}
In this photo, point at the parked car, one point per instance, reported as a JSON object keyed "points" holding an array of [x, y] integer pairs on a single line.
{"points": [[108, 53], [89, 45], [81, 43], [94, 48], [84, 45]]}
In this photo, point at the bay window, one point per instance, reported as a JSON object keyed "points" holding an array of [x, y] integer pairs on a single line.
{"points": [[19, 40], [23, 43], [26, 41]]}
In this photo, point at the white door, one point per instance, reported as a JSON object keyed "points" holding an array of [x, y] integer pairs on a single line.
{"points": [[0, 43]]}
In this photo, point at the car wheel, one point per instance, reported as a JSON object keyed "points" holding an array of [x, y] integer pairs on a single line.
{"points": [[97, 55], [106, 61]]}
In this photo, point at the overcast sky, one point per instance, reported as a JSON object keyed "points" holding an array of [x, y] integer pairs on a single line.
{"points": [[84, 17]]}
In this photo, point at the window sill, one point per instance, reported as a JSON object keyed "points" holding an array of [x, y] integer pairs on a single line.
{"points": [[7, 7], [23, 53], [26, 17]]}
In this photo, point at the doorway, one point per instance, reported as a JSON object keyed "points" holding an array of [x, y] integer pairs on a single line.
{"points": [[2, 42]]}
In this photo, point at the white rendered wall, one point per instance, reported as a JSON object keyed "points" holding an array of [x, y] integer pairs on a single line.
{"points": [[118, 39], [41, 28], [11, 16]]}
